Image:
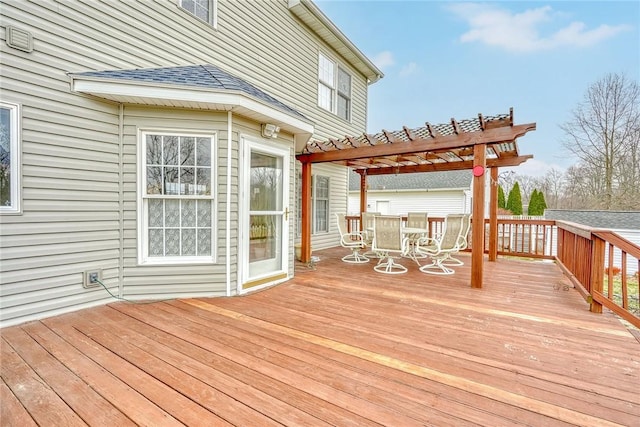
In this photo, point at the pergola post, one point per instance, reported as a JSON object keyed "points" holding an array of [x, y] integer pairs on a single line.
{"points": [[477, 232], [305, 249], [363, 197], [493, 216]]}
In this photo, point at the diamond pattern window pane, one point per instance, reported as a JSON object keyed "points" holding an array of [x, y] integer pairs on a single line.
{"points": [[204, 213], [172, 213], [156, 242], [156, 214], [172, 242], [188, 213], [204, 242], [188, 241]]}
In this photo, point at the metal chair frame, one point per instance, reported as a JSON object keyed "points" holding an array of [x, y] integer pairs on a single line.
{"points": [[353, 240]]}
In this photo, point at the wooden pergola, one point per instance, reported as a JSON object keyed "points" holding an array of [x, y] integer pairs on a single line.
{"points": [[477, 144]]}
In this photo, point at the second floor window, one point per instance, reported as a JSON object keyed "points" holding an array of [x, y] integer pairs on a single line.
{"points": [[334, 88], [202, 9]]}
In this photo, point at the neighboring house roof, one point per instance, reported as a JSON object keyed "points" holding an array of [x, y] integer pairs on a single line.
{"points": [[414, 181], [617, 220], [315, 19], [191, 86]]}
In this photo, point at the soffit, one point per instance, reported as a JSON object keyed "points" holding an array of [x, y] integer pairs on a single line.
{"points": [[320, 24]]}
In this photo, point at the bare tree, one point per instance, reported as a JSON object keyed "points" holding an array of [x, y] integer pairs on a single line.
{"points": [[552, 185], [602, 132]]}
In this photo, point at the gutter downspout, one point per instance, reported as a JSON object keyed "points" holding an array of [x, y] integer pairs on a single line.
{"points": [[228, 212], [121, 199]]}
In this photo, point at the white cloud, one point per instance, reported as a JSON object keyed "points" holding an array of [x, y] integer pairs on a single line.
{"points": [[534, 167], [409, 69], [521, 32], [384, 59]]}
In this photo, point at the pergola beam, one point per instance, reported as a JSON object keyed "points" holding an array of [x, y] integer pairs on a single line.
{"points": [[446, 166], [439, 143]]}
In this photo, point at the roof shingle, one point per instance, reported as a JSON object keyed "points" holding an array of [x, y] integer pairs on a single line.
{"points": [[195, 76]]}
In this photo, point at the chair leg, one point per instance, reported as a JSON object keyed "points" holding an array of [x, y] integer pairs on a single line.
{"points": [[451, 261], [437, 267], [390, 266], [355, 257]]}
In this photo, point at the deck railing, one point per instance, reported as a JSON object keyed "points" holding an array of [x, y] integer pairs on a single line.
{"points": [[584, 254], [587, 257]]}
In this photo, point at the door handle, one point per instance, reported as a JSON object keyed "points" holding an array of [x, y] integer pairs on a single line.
{"points": [[286, 213]]}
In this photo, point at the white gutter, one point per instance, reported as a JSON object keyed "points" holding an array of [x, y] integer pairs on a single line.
{"points": [[228, 213], [149, 93], [121, 199]]}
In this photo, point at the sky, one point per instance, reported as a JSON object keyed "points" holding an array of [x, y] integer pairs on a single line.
{"points": [[444, 60]]}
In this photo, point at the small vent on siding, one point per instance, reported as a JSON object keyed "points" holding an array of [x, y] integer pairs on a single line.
{"points": [[19, 39]]}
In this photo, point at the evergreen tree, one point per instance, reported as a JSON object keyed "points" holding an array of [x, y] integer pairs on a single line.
{"points": [[501, 202], [514, 201], [542, 202], [534, 203]]}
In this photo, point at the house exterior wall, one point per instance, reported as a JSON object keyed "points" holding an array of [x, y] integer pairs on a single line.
{"points": [[79, 153]]}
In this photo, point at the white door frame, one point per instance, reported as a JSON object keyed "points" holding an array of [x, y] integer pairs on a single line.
{"points": [[281, 272]]}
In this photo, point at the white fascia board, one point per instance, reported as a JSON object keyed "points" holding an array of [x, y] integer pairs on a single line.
{"points": [[368, 68], [158, 91]]}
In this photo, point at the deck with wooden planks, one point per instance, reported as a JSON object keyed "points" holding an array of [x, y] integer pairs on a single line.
{"points": [[337, 345]]}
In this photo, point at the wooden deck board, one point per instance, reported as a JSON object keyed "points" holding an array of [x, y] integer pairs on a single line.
{"points": [[338, 345]]}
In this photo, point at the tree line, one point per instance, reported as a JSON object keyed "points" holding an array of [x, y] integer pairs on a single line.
{"points": [[603, 134]]}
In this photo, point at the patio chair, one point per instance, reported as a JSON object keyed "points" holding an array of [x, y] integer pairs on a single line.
{"points": [[438, 248], [388, 239], [353, 240], [367, 231], [417, 220], [463, 243]]}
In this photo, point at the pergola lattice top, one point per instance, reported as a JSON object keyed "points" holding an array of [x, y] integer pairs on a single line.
{"points": [[447, 146]]}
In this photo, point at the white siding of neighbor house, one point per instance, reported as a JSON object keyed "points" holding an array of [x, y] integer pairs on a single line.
{"points": [[437, 203], [74, 204]]}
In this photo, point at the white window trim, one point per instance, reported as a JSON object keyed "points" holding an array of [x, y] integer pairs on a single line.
{"points": [[16, 160], [334, 86], [143, 241], [213, 6], [314, 201]]}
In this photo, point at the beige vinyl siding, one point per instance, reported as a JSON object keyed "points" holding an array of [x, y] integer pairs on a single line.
{"points": [[72, 207], [337, 203], [172, 280]]}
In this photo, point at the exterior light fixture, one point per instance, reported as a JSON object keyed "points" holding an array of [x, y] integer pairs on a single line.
{"points": [[269, 130]]}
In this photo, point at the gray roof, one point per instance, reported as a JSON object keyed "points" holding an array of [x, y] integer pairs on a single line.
{"points": [[616, 220], [195, 76], [414, 181]]}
